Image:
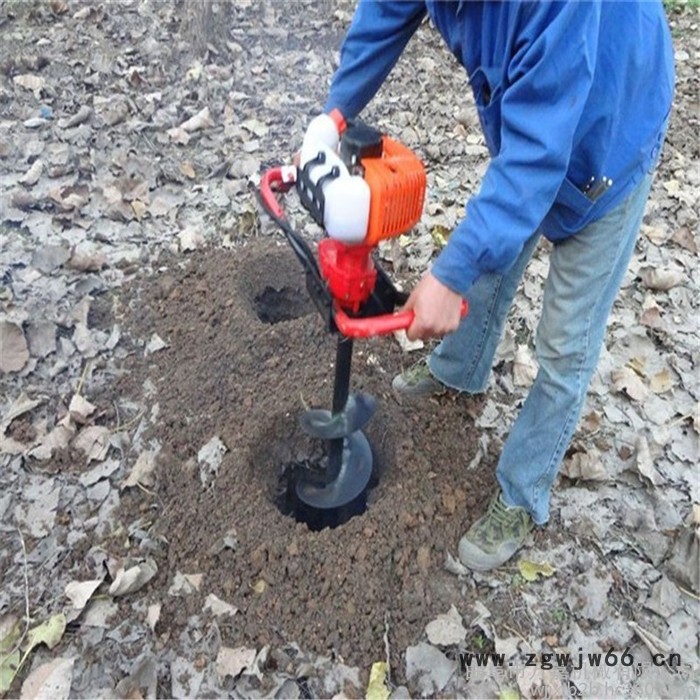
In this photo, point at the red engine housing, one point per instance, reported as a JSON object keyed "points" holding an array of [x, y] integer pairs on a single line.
{"points": [[349, 271]]}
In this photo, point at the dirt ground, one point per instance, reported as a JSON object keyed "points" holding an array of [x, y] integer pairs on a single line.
{"points": [[158, 350], [228, 373]]}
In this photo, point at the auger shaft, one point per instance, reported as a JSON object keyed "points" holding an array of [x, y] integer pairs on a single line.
{"points": [[341, 390]]}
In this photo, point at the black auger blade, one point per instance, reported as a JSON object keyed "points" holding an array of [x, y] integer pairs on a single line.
{"points": [[351, 483], [325, 425]]}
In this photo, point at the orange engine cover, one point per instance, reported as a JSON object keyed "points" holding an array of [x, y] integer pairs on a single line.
{"points": [[397, 185]]}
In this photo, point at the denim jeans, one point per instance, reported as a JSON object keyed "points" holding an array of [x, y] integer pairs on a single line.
{"points": [[585, 274]]}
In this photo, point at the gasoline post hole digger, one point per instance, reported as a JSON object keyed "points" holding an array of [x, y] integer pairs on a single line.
{"points": [[362, 187]]}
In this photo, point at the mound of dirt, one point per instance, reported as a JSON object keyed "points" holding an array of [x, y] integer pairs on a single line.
{"points": [[246, 353]]}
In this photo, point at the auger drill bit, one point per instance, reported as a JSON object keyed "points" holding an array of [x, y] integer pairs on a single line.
{"points": [[349, 467]]}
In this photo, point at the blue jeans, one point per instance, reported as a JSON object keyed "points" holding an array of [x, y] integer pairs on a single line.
{"points": [[585, 274]]}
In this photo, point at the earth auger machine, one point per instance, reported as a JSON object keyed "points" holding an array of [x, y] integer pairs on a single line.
{"points": [[362, 187]]}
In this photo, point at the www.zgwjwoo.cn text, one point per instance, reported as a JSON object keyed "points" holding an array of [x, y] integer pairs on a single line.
{"points": [[575, 662]]}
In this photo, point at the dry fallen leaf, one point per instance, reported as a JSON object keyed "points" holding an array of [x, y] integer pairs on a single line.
{"points": [[88, 262], [440, 235], [153, 615], [57, 439], [454, 566], [524, 366], [651, 641], [142, 471], [80, 117], [140, 209], [195, 72], [638, 364], [591, 422], [187, 169], [132, 579], [48, 258], [627, 381], [14, 351], [209, 458], [201, 120], [155, 344], [8, 446], [428, 669], [70, 197], [35, 83], [190, 239], [651, 318], [232, 662], [672, 186], [259, 586], [661, 382], [21, 405], [255, 126], [218, 607], [655, 234], [80, 409], [644, 462], [179, 135], [185, 584], [115, 111], [80, 592], [408, 345], [141, 682], [94, 442], [31, 177], [50, 681], [586, 465], [447, 629], [685, 239], [661, 279], [58, 7]]}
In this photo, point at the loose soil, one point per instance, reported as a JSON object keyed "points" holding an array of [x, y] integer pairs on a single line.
{"points": [[247, 352]]}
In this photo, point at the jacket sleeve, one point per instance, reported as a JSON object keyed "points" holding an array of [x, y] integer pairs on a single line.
{"points": [[378, 34], [548, 80]]}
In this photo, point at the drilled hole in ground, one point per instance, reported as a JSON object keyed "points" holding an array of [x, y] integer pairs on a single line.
{"points": [[290, 457], [311, 470], [277, 305]]}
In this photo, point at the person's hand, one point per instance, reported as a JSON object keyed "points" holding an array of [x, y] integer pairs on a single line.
{"points": [[437, 309]]}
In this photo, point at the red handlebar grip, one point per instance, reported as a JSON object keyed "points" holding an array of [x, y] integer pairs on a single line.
{"points": [[281, 179], [374, 325], [378, 325]]}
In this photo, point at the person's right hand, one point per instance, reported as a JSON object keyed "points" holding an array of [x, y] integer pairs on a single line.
{"points": [[437, 309]]}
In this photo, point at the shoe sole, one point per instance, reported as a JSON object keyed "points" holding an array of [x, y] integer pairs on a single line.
{"points": [[474, 558], [424, 389]]}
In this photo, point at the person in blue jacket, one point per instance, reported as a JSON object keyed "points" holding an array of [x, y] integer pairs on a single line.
{"points": [[573, 99]]}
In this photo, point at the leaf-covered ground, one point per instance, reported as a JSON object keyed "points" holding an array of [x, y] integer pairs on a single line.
{"points": [[125, 154]]}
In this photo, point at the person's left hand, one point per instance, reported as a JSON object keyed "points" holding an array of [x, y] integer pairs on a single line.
{"points": [[437, 309]]}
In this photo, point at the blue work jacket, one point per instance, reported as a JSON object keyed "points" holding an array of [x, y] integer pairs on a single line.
{"points": [[569, 95]]}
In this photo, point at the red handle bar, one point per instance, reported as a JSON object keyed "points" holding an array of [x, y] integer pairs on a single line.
{"points": [[280, 179], [378, 325]]}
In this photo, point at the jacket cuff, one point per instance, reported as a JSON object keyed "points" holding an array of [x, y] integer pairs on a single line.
{"points": [[457, 275]]}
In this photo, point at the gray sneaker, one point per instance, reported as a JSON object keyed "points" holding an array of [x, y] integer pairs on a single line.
{"points": [[495, 537], [418, 382]]}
